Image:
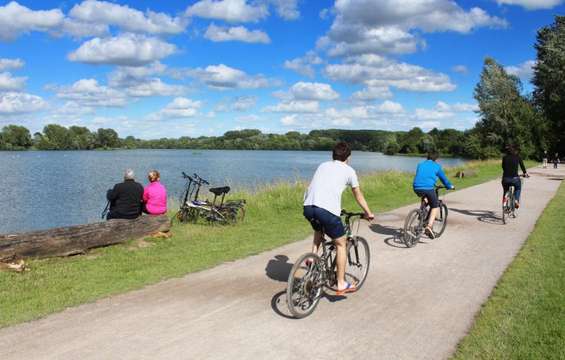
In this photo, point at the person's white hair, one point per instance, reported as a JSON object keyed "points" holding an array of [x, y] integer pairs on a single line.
{"points": [[129, 174]]}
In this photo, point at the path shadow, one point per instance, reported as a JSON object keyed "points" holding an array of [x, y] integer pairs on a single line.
{"points": [[394, 238], [486, 216], [278, 268]]}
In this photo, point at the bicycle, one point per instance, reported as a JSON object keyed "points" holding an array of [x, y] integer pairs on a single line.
{"points": [[192, 209], [417, 220], [312, 272], [509, 203]]}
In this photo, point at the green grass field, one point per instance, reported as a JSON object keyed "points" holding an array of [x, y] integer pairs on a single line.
{"points": [[274, 218], [524, 317]]}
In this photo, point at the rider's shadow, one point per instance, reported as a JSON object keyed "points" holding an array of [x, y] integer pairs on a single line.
{"points": [[394, 238], [278, 268]]}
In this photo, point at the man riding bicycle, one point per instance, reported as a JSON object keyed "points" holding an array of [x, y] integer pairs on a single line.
{"points": [[427, 173], [510, 163], [322, 206]]}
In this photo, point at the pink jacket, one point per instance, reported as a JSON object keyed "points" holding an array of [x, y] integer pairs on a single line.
{"points": [[155, 198]]}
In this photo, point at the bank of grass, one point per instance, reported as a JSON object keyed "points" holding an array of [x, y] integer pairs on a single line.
{"points": [[273, 219], [524, 317]]}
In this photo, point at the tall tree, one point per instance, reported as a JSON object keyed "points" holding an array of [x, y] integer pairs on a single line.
{"points": [[15, 137], [549, 79], [506, 116]]}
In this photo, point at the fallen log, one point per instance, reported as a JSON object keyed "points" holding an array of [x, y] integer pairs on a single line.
{"points": [[72, 240]]}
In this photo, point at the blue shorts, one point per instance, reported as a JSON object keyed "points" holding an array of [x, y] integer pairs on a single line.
{"points": [[429, 194], [325, 221]]}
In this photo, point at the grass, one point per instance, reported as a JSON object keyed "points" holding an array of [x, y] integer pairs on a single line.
{"points": [[274, 218], [524, 317]]}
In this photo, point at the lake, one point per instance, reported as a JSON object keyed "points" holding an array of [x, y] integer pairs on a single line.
{"points": [[43, 189]]}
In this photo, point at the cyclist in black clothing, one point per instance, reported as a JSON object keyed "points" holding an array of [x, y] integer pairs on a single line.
{"points": [[510, 163]]}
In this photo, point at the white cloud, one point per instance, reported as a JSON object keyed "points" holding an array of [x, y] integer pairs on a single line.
{"points": [[243, 103], [289, 120], [8, 64], [460, 69], [128, 19], [10, 83], [126, 49], [390, 107], [80, 29], [88, 92], [359, 28], [73, 109], [372, 92], [378, 72], [286, 9], [312, 91], [20, 103], [139, 82], [304, 65], [443, 110], [532, 4], [236, 33], [524, 70], [16, 19], [179, 108], [224, 77], [154, 87], [228, 10], [295, 106]]}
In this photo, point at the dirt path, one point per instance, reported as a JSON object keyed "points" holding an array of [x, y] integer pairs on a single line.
{"points": [[416, 304]]}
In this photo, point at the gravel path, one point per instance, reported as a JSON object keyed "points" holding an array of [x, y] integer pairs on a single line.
{"points": [[416, 304]]}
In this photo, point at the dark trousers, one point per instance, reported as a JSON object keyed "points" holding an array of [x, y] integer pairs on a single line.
{"points": [[513, 181]]}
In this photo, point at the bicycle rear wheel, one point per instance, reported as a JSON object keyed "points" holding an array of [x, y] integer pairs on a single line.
{"points": [[358, 261], [441, 220], [413, 228], [304, 287]]}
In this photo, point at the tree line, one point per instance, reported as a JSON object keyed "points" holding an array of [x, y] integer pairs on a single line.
{"points": [[57, 137], [533, 121]]}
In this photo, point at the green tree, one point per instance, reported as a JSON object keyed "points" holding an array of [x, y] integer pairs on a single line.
{"points": [[15, 137], [549, 79], [82, 138], [507, 117], [107, 138], [57, 137]]}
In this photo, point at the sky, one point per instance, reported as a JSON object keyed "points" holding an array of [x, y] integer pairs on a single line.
{"points": [[154, 69]]}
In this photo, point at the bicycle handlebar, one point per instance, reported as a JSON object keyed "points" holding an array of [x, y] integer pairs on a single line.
{"points": [[200, 179], [347, 213]]}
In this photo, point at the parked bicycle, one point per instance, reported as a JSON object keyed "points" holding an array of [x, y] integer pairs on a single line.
{"points": [[509, 203], [417, 219], [312, 272], [192, 208]]}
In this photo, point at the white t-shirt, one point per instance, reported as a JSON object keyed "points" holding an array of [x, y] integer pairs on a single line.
{"points": [[327, 185]]}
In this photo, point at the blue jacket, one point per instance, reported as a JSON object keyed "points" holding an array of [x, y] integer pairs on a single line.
{"points": [[427, 174]]}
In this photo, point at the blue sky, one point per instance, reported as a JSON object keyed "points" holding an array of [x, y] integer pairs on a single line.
{"points": [[189, 68]]}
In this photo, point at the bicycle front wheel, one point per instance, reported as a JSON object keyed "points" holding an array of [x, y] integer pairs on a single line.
{"points": [[441, 221], [304, 287], [413, 228], [358, 261]]}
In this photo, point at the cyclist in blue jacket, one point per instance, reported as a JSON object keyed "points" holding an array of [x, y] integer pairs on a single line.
{"points": [[427, 173]]}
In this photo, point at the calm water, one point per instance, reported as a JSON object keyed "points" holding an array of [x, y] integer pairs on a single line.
{"points": [[41, 189]]}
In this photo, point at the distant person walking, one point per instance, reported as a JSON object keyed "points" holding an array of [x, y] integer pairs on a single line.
{"points": [[555, 160], [125, 198], [544, 160], [154, 195]]}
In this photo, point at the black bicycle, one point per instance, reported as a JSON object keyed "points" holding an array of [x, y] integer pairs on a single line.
{"points": [[509, 203], [192, 208], [312, 272], [417, 220]]}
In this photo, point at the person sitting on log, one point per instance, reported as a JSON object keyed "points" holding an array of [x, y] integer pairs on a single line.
{"points": [[125, 198], [154, 195]]}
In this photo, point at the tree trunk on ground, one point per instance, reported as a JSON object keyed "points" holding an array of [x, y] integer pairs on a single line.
{"points": [[72, 240]]}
